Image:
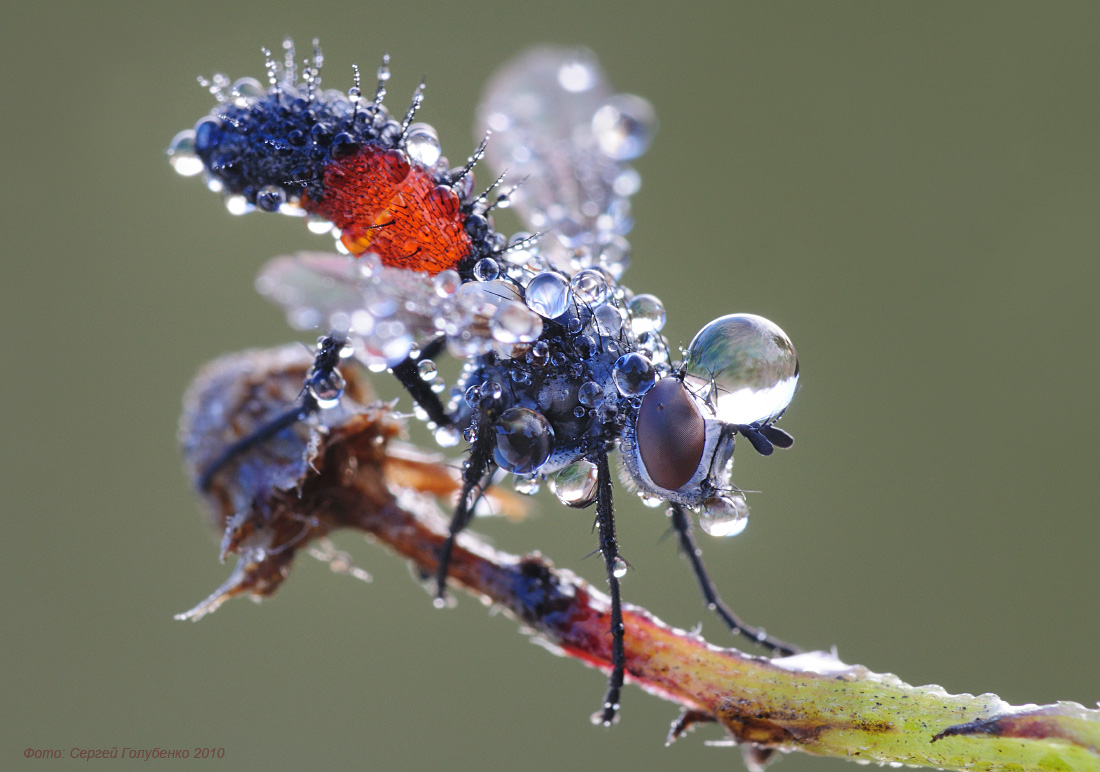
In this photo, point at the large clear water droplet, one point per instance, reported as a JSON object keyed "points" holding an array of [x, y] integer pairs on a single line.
{"points": [[725, 515], [609, 320], [575, 485], [524, 438], [633, 374], [745, 365], [548, 295], [422, 144], [589, 287]]}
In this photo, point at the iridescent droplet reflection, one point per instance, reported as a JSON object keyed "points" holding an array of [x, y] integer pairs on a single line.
{"points": [[745, 365]]}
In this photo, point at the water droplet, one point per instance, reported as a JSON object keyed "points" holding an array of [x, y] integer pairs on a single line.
{"points": [[270, 197], [609, 321], [575, 485], [619, 567], [245, 90], [590, 394], [576, 76], [651, 501], [633, 374], [486, 269], [237, 204], [317, 224], [426, 369], [446, 436], [491, 390], [725, 515], [528, 486], [615, 256], [443, 201], [585, 345], [747, 367], [627, 183], [548, 295], [326, 388], [624, 126], [523, 439], [589, 287], [647, 314], [447, 283], [515, 323], [181, 154], [422, 144], [396, 165], [473, 396], [539, 354]]}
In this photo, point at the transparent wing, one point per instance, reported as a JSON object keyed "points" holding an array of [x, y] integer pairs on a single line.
{"points": [[558, 127], [387, 313]]}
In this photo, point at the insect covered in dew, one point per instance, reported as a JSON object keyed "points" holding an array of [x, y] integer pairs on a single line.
{"points": [[563, 366]]}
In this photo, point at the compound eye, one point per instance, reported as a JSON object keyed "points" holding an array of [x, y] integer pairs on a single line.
{"points": [[671, 434]]}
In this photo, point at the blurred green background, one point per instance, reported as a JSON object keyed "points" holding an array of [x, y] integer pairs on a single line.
{"points": [[910, 190]]}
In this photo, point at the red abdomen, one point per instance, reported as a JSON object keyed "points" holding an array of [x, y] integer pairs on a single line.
{"points": [[384, 204]]}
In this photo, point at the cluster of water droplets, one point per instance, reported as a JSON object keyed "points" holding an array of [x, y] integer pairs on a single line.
{"points": [[558, 125]]}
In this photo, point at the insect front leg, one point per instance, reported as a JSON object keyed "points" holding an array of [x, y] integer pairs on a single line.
{"points": [[682, 526], [609, 547], [408, 374]]}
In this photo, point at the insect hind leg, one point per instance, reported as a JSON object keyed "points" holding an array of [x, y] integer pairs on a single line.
{"points": [[476, 475]]}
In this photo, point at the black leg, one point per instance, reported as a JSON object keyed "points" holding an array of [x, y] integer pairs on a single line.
{"points": [[323, 378], [682, 526], [605, 520], [476, 473], [421, 392]]}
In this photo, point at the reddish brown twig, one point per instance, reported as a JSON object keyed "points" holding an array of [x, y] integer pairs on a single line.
{"points": [[338, 472]]}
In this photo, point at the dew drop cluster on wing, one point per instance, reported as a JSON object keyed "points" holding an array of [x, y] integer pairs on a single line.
{"points": [[569, 360]]}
